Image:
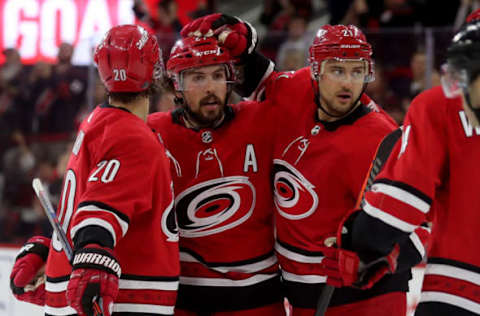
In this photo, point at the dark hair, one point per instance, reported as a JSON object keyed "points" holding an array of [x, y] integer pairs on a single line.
{"points": [[128, 97]]}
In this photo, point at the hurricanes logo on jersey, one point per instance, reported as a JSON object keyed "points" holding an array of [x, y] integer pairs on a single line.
{"points": [[169, 221], [214, 206], [294, 195]]}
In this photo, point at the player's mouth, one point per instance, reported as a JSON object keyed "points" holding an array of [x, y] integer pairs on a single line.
{"points": [[210, 103], [344, 97]]}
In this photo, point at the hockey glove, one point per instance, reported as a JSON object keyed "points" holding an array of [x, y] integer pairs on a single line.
{"points": [[27, 280], [345, 268], [236, 35], [95, 274]]}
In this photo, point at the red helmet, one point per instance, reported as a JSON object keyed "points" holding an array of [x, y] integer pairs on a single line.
{"points": [[128, 59], [340, 42], [192, 52]]}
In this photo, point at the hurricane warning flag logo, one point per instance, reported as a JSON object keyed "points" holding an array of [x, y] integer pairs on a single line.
{"points": [[214, 206], [294, 195]]}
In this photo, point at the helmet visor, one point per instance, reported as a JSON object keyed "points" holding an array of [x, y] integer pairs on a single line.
{"points": [[453, 80], [201, 78], [343, 70]]}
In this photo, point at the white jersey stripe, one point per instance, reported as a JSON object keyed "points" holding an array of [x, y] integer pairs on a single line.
{"points": [[388, 219], [147, 285], [56, 287], [418, 244], [294, 256], [452, 272], [402, 196], [93, 208], [226, 282], [143, 308], [450, 299], [304, 278], [59, 311], [246, 268], [123, 285], [94, 221]]}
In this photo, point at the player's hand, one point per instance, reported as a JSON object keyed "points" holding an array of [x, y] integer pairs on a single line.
{"points": [[234, 34], [27, 280], [344, 268], [94, 278]]}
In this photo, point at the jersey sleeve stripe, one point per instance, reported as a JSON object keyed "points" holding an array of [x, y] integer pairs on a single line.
{"points": [[56, 287], [304, 278], [402, 195], [453, 272], [418, 244], [143, 309], [226, 282], [147, 285], [50, 310], [94, 221], [94, 208], [431, 296], [247, 268], [106, 207], [406, 187], [387, 218], [296, 256]]}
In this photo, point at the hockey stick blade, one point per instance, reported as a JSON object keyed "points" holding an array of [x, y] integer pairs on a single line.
{"points": [[52, 218]]}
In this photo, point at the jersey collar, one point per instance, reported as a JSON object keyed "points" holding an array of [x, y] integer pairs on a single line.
{"points": [[107, 105], [359, 112]]}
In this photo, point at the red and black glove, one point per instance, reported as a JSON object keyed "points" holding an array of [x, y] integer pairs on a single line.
{"points": [[236, 35], [94, 278], [27, 280], [344, 268]]}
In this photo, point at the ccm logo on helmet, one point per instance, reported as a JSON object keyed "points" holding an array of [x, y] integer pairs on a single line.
{"points": [[208, 52]]}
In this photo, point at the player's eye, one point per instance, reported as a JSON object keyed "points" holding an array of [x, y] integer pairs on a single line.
{"points": [[358, 73], [198, 78], [219, 75], [337, 71]]}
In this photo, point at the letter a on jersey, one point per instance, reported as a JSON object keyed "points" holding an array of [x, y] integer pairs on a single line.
{"points": [[250, 159]]}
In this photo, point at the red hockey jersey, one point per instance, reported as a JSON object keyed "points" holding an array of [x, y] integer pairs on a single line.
{"points": [[432, 174], [319, 169], [118, 178], [224, 206]]}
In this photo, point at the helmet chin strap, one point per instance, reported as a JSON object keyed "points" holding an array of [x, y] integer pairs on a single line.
{"points": [[319, 105], [476, 112]]}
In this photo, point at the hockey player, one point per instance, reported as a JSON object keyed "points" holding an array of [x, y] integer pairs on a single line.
{"points": [[116, 204], [221, 167], [433, 173], [323, 151]]}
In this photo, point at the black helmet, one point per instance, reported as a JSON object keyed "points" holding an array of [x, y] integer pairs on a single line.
{"points": [[463, 54]]}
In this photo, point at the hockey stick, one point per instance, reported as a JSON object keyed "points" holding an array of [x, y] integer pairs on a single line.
{"points": [[52, 218], [324, 299], [383, 152]]}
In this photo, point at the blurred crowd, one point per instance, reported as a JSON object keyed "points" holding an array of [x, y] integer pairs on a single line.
{"points": [[41, 105]]}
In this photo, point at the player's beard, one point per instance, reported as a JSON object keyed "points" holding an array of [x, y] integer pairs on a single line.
{"points": [[208, 119]]}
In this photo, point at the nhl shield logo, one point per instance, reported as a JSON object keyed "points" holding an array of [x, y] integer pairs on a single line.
{"points": [[207, 137]]}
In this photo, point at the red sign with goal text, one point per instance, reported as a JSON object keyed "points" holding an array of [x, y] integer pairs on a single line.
{"points": [[37, 27]]}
